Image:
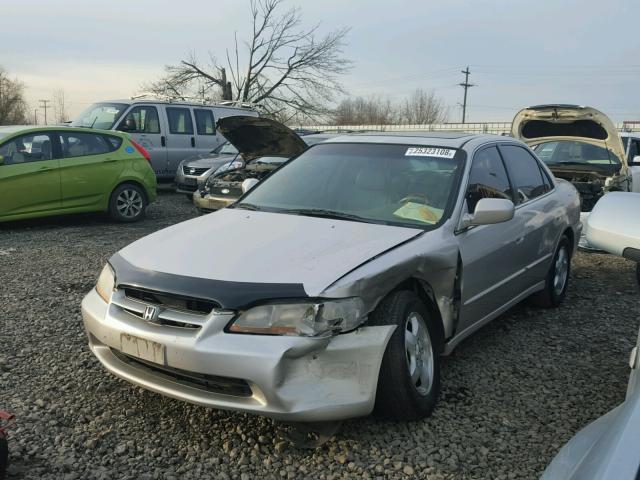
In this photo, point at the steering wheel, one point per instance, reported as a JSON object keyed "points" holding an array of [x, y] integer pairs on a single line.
{"points": [[421, 197]]}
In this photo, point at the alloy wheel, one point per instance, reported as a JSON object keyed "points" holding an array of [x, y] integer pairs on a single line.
{"points": [[419, 351], [129, 203], [561, 271]]}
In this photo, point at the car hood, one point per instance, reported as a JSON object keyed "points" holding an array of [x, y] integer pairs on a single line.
{"points": [[235, 245], [544, 123], [208, 160], [260, 137]]}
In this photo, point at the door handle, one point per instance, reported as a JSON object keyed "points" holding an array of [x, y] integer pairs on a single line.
{"points": [[110, 160], [519, 241], [163, 141], [193, 142]]}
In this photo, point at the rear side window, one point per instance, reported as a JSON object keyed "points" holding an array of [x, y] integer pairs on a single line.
{"points": [[205, 123], [180, 121], [34, 147], [113, 142], [525, 173], [142, 119], [80, 144], [487, 178]]}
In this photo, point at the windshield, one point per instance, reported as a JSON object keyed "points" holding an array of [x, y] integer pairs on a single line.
{"points": [[225, 149], [100, 115], [268, 160], [377, 183], [573, 152]]}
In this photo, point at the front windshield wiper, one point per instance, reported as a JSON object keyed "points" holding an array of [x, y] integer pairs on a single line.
{"points": [[322, 213]]}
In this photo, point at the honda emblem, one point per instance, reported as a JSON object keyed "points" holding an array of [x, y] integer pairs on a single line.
{"points": [[150, 313]]}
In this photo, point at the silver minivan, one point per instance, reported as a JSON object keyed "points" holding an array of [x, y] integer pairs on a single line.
{"points": [[170, 131]]}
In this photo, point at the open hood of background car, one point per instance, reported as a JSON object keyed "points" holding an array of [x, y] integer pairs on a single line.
{"points": [[259, 137], [546, 123]]}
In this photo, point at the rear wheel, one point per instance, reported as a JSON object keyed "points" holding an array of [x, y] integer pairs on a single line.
{"points": [[557, 280], [128, 203], [409, 380]]}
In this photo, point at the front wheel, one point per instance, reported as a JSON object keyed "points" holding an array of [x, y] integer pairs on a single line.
{"points": [[557, 280], [128, 203], [409, 379]]}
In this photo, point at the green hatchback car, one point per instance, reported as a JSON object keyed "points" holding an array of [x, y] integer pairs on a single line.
{"points": [[57, 170]]}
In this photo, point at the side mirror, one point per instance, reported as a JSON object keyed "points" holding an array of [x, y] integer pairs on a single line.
{"points": [[489, 211], [123, 127], [1, 160], [248, 184], [636, 160]]}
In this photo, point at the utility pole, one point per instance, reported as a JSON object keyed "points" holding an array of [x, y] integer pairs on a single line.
{"points": [[35, 116], [45, 106], [465, 85]]}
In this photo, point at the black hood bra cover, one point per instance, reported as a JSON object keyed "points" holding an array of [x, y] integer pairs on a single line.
{"points": [[227, 295]]}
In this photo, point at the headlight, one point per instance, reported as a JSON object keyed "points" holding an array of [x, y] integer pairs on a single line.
{"points": [[229, 166], [308, 319], [106, 283]]}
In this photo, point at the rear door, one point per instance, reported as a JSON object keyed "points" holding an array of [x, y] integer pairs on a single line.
{"points": [[537, 213], [89, 167], [491, 254], [148, 127], [206, 135], [29, 175], [181, 141]]}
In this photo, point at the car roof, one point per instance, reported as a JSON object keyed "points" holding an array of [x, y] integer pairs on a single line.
{"points": [[444, 139], [130, 101], [11, 129]]}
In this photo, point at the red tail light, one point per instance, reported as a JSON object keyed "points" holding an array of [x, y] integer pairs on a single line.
{"points": [[142, 150]]}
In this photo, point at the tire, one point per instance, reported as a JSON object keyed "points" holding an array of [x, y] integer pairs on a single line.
{"points": [[189, 196], [128, 203], [4, 457], [398, 397], [556, 282]]}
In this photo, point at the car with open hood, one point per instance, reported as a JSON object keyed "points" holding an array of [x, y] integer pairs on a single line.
{"points": [[608, 447], [332, 288], [579, 144], [265, 144], [194, 171]]}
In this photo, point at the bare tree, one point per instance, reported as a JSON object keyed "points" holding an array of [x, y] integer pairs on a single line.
{"points": [[59, 106], [285, 68], [13, 106], [422, 108]]}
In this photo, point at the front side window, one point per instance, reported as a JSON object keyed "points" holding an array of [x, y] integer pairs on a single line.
{"points": [[205, 124], [377, 183], [142, 119], [487, 178], [180, 121], [100, 115], [78, 144], [525, 173], [34, 147]]}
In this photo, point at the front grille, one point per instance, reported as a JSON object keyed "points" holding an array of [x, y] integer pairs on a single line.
{"points": [[196, 171], [187, 188], [229, 191], [211, 383], [170, 301]]}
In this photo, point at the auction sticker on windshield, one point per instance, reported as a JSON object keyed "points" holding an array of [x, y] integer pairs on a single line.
{"points": [[430, 152]]}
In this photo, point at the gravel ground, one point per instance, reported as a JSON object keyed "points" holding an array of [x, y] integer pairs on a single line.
{"points": [[512, 394]]}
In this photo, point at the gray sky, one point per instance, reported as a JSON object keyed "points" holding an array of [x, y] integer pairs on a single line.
{"points": [[520, 52]]}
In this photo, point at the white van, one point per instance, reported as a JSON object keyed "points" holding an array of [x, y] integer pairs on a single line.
{"points": [[170, 131]]}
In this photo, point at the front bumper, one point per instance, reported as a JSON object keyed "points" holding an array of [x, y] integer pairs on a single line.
{"points": [[290, 378], [186, 183], [210, 203]]}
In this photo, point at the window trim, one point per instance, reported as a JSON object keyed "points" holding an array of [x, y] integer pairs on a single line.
{"points": [[539, 162], [188, 109], [213, 119]]}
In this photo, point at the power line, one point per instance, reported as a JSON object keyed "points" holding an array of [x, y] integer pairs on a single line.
{"points": [[44, 106], [466, 86]]}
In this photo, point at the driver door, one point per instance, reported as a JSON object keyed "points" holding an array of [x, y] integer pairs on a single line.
{"points": [[491, 254]]}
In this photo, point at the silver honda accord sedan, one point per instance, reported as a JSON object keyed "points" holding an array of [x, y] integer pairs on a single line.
{"points": [[333, 288]]}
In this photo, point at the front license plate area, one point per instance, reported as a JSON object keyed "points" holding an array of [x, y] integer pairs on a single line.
{"points": [[142, 348], [190, 181]]}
